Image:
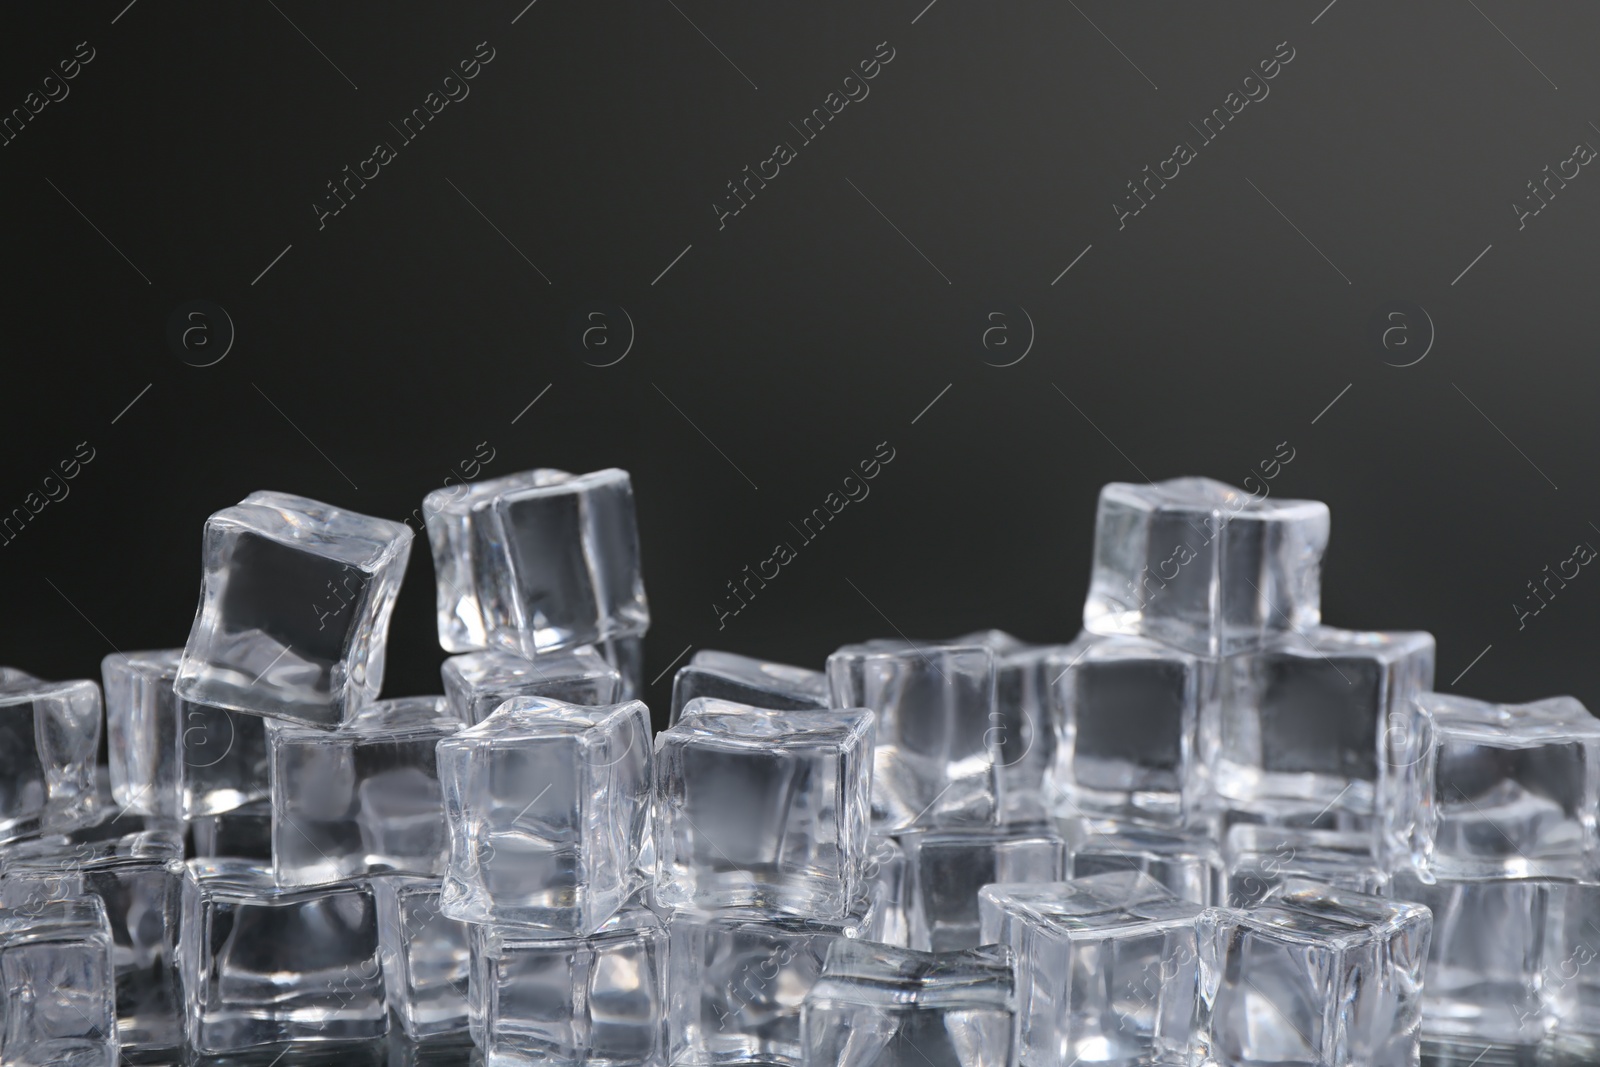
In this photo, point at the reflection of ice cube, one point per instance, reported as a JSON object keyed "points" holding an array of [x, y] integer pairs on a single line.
{"points": [[401, 813]]}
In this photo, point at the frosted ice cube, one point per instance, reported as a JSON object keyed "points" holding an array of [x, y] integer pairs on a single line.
{"points": [[294, 609], [745, 680], [948, 867]]}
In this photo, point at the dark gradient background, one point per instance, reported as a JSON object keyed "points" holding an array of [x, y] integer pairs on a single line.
{"points": [[771, 355]]}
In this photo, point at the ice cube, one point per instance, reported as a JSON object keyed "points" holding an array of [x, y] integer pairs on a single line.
{"points": [[626, 654], [537, 561], [937, 755], [1203, 566], [735, 984], [60, 990], [1188, 863], [171, 757], [425, 957], [880, 1006], [596, 1000], [948, 867], [1107, 968], [549, 814], [49, 739], [1023, 704], [1570, 975], [763, 809], [1481, 790], [1259, 858], [294, 609], [887, 876], [1129, 720], [745, 680], [243, 833], [1306, 720], [1314, 976], [478, 682], [361, 799], [262, 964]]}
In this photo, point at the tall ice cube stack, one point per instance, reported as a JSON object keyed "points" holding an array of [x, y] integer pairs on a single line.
{"points": [[1206, 830]]}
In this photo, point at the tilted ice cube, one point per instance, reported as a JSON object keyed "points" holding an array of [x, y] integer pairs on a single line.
{"points": [[745, 680], [948, 867], [478, 682], [1480, 790], [1259, 858], [1189, 864], [1313, 975], [133, 875], [243, 833], [549, 814], [763, 809], [1023, 706], [1486, 964], [1204, 566], [172, 757], [892, 1007], [60, 990], [361, 799], [1107, 968], [49, 737], [1129, 718], [735, 984], [425, 957], [294, 609], [262, 964], [1307, 719], [537, 561], [571, 1001], [936, 759]]}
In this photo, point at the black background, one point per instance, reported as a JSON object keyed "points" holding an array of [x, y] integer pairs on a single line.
{"points": [[380, 350]]}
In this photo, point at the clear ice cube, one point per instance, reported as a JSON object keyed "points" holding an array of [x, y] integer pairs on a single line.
{"points": [[1307, 719], [763, 809], [1188, 863], [1482, 790], [948, 867], [938, 752], [171, 757], [626, 654], [294, 609], [425, 953], [735, 984], [1259, 858], [1203, 566], [536, 561], [243, 833], [49, 739], [262, 964], [1486, 963], [549, 814], [1107, 968], [60, 1008], [1313, 976], [1129, 718], [887, 877], [478, 682], [746, 680], [573, 1001], [1023, 704], [363, 798], [1570, 975], [880, 1006]]}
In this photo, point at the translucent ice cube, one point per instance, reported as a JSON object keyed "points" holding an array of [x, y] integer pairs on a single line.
{"points": [[744, 680], [171, 757], [1204, 566], [1314, 976], [1024, 706], [1307, 718], [594, 1000], [60, 991], [1187, 863], [49, 736], [1129, 720], [879, 1006], [1107, 968], [763, 809], [361, 799], [948, 867], [425, 957], [294, 609], [938, 750], [1259, 858], [478, 682], [1480, 790], [537, 561], [261, 964], [549, 814]]}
